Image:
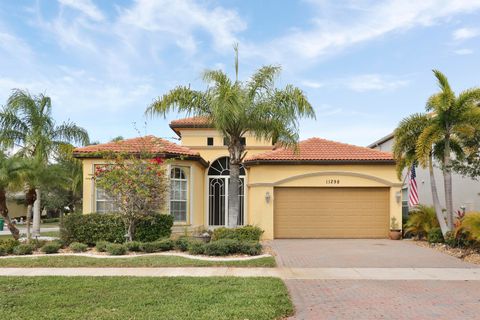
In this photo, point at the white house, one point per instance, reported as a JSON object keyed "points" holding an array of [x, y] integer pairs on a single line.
{"points": [[466, 191]]}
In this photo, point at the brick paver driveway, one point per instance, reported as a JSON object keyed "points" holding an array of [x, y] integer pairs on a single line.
{"points": [[373, 299]]}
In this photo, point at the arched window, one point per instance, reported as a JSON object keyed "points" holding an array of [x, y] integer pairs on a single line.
{"points": [[178, 194], [221, 167]]}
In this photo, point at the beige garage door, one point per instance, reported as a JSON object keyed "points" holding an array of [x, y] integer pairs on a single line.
{"points": [[331, 212]]}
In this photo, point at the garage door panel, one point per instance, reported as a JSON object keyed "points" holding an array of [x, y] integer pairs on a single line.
{"points": [[331, 212]]}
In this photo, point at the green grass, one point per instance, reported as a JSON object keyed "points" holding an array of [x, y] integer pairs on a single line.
{"points": [[45, 234], [178, 298], [152, 261]]}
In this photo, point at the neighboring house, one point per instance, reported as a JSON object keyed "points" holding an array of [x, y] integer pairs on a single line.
{"points": [[15, 206], [325, 190], [466, 191]]}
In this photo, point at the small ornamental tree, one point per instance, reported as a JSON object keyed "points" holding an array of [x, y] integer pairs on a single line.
{"points": [[139, 185]]}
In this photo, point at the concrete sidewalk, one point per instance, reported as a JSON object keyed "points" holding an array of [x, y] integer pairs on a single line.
{"points": [[449, 274], [23, 230]]}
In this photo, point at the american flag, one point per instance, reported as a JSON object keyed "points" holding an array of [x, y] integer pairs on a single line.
{"points": [[412, 190]]}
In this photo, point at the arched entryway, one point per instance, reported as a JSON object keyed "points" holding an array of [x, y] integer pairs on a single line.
{"points": [[218, 179]]}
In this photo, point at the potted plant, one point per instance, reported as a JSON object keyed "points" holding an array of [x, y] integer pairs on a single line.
{"points": [[395, 231]]}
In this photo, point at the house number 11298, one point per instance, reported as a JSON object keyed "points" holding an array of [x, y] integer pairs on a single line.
{"points": [[332, 181]]}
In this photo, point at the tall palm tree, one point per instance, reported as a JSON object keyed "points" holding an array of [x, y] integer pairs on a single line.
{"points": [[10, 169], [453, 118], [27, 125], [404, 150], [234, 108]]}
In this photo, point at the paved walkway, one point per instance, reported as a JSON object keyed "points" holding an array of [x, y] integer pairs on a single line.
{"points": [[379, 279], [23, 230], [447, 274]]}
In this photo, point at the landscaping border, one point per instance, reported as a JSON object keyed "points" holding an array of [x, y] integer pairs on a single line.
{"points": [[178, 254]]}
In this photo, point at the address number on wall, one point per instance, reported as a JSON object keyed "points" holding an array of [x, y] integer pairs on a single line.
{"points": [[332, 181]]}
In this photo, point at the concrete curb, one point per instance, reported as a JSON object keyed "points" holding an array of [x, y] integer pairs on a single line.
{"points": [[382, 274]]}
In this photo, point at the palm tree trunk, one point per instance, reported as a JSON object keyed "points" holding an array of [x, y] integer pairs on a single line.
{"points": [[436, 200], [30, 197], [236, 150], [36, 214], [233, 196], [447, 178], [4, 212]]}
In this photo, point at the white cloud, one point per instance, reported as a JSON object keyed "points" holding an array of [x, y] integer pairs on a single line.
{"points": [[312, 84], [366, 21], [86, 7], [465, 33], [182, 20], [374, 82], [463, 52]]}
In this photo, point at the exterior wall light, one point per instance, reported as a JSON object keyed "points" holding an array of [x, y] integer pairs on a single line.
{"points": [[398, 196], [268, 197]]}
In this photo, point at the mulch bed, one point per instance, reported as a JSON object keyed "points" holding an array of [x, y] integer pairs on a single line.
{"points": [[465, 254]]}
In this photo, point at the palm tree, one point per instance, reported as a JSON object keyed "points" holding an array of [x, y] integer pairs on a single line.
{"points": [[452, 118], [27, 125], [404, 150], [235, 108], [10, 168]]}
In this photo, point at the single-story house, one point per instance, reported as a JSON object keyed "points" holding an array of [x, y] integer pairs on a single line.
{"points": [[466, 191], [325, 189]]}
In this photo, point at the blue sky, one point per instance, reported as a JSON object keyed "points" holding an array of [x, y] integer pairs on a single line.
{"points": [[363, 64]]}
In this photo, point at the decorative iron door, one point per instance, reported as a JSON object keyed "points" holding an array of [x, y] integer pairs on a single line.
{"points": [[218, 179]]}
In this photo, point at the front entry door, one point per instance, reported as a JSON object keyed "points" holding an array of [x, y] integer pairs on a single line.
{"points": [[218, 201]]}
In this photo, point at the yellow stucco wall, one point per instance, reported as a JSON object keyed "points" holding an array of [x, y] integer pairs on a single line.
{"points": [[264, 178], [15, 209], [196, 139], [193, 169]]}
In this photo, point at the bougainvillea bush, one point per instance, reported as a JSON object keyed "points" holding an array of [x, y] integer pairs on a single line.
{"points": [[139, 184]]}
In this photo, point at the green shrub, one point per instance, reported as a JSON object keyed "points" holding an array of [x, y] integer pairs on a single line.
{"points": [[252, 248], [157, 246], [91, 228], [435, 236], [3, 252], [38, 243], [101, 246], [420, 221], [134, 246], [154, 227], [116, 249], [471, 224], [246, 233], [222, 247], [78, 247], [94, 227], [8, 245], [182, 243], [196, 247], [51, 247], [24, 249]]}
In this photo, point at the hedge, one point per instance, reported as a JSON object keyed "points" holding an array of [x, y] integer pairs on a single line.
{"points": [[154, 227], [246, 233], [96, 227]]}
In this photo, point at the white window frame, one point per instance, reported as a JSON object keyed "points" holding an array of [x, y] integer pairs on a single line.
{"points": [[186, 196]]}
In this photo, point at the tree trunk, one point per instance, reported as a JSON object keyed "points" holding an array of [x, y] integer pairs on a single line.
{"points": [[233, 196], [131, 230], [30, 197], [4, 212], [447, 178], [36, 214], [436, 200], [235, 149]]}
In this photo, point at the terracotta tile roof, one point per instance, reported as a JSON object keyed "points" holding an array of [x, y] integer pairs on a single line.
{"points": [[149, 144], [191, 122], [322, 150]]}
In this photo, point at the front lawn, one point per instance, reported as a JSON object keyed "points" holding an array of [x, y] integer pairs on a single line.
{"points": [[143, 298], [152, 261]]}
